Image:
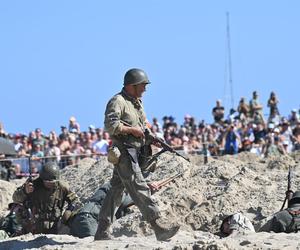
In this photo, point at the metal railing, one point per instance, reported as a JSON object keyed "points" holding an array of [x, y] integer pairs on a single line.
{"points": [[25, 162]]}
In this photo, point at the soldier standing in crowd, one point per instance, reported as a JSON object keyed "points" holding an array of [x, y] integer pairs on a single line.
{"points": [[128, 142], [255, 107], [42, 202]]}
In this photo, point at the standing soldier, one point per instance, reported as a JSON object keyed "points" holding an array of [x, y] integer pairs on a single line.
{"points": [[126, 152], [45, 201]]}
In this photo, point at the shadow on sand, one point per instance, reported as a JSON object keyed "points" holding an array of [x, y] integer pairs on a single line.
{"points": [[36, 243]]}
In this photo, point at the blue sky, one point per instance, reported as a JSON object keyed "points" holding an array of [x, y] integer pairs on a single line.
{"points": [[67, 58]]}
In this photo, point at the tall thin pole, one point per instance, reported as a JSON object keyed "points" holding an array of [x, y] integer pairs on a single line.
{"points": [[229, 61]]}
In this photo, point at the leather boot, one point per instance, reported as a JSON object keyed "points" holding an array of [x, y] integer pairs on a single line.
{"points": [[163, 233], [103, 230]]}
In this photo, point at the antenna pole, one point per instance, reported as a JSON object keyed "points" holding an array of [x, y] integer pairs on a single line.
{"points": [[229, 61]]}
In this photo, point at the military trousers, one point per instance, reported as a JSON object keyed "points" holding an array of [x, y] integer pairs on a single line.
{"points": [[127, 175]]}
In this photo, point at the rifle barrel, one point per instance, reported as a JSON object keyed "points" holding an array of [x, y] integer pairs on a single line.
{"points": [[168, 180]]}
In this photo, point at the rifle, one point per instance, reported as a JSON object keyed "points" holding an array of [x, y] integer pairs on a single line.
{"points": [[168, 180], [154, 139], [123, 209], [163, 144], [204, 149], [28, 202], [289, 191]]}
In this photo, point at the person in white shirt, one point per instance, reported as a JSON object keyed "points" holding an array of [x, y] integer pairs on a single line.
{"points": [[101, 146]]}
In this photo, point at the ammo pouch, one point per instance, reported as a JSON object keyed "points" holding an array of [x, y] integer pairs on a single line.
{"points": [[113, 155]]}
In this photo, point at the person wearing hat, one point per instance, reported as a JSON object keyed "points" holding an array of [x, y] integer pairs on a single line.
{"points": [[64, 132], [288, 220], [218, 112], [39, 139], [294, 118], [125, 121], [43, 200], [74, 126]]}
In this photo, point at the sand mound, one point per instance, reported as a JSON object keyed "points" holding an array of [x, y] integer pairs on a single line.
{"points": [[198, 200]]}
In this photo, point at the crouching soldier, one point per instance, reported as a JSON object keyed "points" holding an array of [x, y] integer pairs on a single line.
{"points": [[46, 202], [288, 220]]}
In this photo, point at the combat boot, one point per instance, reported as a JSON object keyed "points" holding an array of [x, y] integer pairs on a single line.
{"points": [[163, 233], [103, 230]]}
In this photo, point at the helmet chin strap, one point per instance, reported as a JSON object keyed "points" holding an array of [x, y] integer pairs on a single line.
{"points": [[135, 91]]}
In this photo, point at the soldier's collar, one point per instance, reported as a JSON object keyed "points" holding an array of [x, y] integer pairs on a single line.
{"points": [[136, 101]]}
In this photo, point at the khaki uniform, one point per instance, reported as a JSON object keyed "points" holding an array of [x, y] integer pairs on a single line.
{"points": [[127, 173], [43, 208]]}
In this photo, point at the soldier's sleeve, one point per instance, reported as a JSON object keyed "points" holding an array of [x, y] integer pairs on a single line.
{"points": [[276, 225], [113, 114], [70, 197], [73, 203], [19, 196]]}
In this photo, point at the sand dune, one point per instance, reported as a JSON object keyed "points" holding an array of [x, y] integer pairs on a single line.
{"points": [[198, 200]]}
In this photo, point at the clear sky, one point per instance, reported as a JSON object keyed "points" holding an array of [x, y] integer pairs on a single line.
{"points": [[63, 58]]}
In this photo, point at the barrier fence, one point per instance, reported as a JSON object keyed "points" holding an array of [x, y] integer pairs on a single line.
{"points": [[24, 163]]}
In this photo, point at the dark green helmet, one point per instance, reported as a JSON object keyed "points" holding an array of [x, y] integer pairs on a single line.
{"points": [[50, 171], [135, 77], [295, 199]]}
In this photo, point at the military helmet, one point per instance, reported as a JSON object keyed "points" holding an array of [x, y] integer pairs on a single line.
{"points": [[295, 199], [50, 171], [135, 77]]}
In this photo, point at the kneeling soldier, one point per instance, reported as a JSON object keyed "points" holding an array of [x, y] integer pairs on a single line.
{"points": [[46, 202]]}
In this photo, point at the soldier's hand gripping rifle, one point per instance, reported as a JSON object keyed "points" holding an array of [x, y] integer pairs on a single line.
{"points": [[166, 147], [28, 201], [289, 192], [154, 139]]}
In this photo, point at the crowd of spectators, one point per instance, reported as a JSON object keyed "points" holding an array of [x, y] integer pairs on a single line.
{"points": [[65, 148], [243, 129]]}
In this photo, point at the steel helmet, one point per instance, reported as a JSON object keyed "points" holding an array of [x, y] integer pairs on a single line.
{"points": [[135, 77], [295, 199], [50, 171]]}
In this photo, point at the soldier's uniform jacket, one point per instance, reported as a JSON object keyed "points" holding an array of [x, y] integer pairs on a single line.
{"points": [[128, 109], [287, 221], [46, 206], [133, 153]]}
